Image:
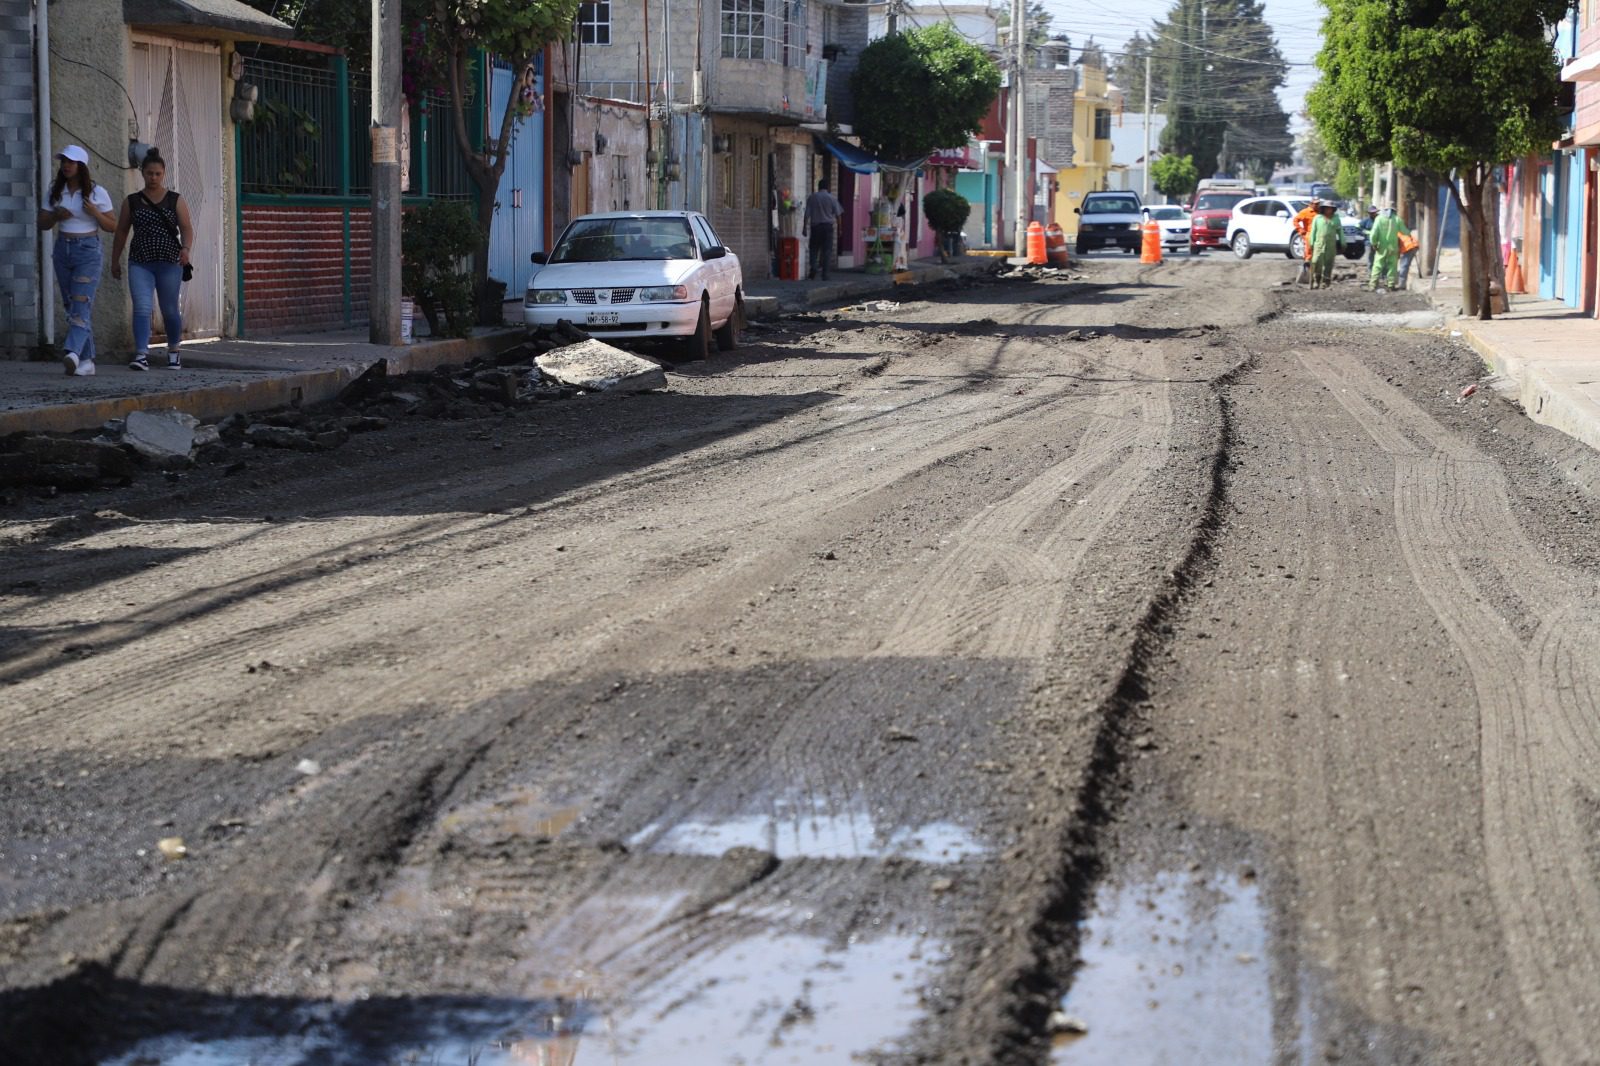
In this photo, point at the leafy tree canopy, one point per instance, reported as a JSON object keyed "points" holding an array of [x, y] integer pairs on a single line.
{"points": [[922, 90], [1437, 84], [1174, 175], [1215, 74]]}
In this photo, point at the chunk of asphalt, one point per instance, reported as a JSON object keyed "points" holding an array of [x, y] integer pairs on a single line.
{"points": [[598, 367]]}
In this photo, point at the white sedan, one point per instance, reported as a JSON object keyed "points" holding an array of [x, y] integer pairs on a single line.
{"points": [[641, 275], [1174, 224]]}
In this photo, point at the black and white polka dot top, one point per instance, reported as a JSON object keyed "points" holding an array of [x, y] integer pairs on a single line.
{"points": [[155, 229]]}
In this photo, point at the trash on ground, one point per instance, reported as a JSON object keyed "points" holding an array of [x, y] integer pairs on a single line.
{"points": [[172, 848], [1062, 1022], [308, 767], [1468, 391]]}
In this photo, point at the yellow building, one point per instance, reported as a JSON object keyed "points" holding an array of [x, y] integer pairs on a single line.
{"points": [[1095, 107]]}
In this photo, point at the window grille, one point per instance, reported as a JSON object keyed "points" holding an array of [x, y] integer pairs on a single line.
{"points": [[594, 22]]}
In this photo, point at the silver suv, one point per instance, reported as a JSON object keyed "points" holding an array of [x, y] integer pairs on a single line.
{"points": [[1109, 219]]}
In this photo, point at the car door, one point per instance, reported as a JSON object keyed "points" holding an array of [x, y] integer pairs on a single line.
{"points": [[1277, 226], [720, 283], [1247, 216]]}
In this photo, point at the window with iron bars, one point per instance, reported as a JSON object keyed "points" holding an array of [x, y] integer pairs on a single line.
{"points": [[1102, 125], [594, 22]]}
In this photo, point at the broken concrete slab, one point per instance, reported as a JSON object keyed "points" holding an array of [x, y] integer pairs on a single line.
{"points": [[163, 437], [64, 463], [265, 435], [596, 366]]}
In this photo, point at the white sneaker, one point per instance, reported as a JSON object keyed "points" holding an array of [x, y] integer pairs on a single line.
{"points": [[70, 361], [85, 370]]}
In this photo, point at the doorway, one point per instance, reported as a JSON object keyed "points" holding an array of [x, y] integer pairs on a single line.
{"points": [[177, 96]]}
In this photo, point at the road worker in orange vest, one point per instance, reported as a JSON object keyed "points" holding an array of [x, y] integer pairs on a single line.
{"points": [[1302, 226]]}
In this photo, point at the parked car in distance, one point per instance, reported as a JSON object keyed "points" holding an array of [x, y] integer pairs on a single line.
{"points": [[1266, 224], [1173, 221], [1208, 217], [641, 275], [1109, 219]]}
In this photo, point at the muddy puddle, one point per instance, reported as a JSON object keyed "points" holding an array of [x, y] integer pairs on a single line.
{"points": [[1175, 972], [795, 827], [778, 999]]}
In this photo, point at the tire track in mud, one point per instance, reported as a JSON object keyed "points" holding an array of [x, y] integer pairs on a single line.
{"points": [[1039, 955], [1537, 697]]}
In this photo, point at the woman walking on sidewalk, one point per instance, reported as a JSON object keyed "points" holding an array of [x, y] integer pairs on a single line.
{"points": [[158, 263], [79, 209]]}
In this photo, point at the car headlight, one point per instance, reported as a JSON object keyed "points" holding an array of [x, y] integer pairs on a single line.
{"points": [[664, 293], [1135, 225], [547, 296]]}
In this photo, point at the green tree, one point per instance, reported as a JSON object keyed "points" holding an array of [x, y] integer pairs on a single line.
{"points": [[1174, 175], [1441, 85], [1092, 55], [441, 36], [922, 90], [1215, 73], [917, 92]]}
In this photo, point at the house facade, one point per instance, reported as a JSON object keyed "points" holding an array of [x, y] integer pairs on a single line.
{"points": [[729, 88], [1095, 108], [175, 59]]}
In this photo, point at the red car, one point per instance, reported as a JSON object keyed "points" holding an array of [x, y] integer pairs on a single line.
{"points": [[1208, 218]]}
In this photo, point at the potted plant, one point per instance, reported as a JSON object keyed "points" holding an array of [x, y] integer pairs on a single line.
{"points": [[947, 212]]}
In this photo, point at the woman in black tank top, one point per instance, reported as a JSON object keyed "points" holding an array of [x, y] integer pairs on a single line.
{"points": [[158, 262]]}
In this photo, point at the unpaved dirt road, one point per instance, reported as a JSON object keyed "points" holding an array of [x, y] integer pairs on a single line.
{"points": [[1132, 640]]}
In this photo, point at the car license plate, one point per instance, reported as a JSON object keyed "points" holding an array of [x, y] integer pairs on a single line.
{"points": [[604, 318]]}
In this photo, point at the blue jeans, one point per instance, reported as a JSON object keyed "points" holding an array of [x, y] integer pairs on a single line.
{"points": [[159, 280], [77, 264]]}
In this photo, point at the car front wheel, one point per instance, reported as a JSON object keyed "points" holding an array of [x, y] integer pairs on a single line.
{"points": [[728, 333], [1297, 246], [1241, 245], [1355, 251], [698, 344]]}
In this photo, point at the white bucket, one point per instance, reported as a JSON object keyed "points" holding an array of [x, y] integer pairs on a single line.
{"points": [[407, 312]]}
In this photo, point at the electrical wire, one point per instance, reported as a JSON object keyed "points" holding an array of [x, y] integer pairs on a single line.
{"points": [[132, 110]]}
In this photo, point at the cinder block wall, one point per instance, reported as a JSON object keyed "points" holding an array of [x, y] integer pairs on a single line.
{"points": [[21, 273]]}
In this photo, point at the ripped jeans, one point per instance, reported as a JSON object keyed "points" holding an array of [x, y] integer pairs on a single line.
{"points": [[77, 262]]}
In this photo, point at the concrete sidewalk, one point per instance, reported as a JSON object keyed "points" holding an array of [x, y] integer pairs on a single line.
{"points": [[1549, 351], [219, 378]]}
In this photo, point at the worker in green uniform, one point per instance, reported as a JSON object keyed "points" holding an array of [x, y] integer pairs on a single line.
{"points": [[1386, 250], [1325, 233]]}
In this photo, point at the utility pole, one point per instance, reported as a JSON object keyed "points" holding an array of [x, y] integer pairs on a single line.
{"points": [[1019, 179], [383, 305], [1146, 129]]}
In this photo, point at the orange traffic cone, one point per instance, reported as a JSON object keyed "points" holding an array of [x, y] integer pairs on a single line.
{"points": [[1152, 244], [1036, 252], [1515, 282]]}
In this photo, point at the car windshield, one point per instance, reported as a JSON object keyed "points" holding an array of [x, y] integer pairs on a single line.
{"points": [[605, 240], [1218, 201], [1166, 212], [1112, 205]]}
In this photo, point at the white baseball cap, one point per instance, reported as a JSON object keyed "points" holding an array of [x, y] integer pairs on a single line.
{"points": [[74, 153]]}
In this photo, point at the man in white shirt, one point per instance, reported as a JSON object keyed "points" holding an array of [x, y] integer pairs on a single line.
{"points": [[79, 210]]}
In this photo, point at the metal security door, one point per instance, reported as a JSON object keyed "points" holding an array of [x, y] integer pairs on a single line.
{"points": [[518, 227], [177, 92]]}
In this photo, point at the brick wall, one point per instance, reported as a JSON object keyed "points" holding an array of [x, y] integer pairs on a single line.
{"points": [[294, 269], [20, 271]]}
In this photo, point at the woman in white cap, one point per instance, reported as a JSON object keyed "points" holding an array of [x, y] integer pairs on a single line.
{"points": [[79, 210]]}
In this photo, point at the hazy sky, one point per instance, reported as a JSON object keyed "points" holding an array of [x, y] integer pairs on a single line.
{"points": [[1296, 23]]}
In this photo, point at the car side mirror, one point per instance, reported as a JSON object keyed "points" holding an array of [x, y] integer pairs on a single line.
{"points": [[539, 257], [1283, 214], [716, 251], [1077, 210]]}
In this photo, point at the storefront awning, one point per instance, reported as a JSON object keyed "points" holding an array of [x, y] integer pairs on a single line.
{"points": [[206, 20], [864, 162]]}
